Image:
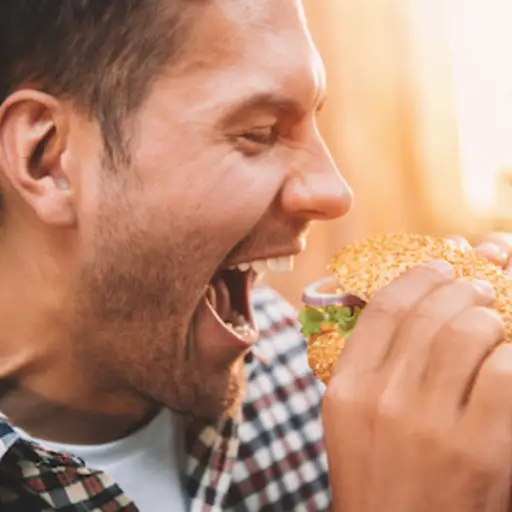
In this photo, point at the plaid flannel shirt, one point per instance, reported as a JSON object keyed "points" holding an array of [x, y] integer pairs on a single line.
{"points": [[271, 459]]}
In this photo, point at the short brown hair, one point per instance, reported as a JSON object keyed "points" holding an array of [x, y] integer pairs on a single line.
{"points": [[102, 54]]}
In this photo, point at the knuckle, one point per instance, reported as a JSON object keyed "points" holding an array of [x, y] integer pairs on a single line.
{"points": [[381, 309], [465, 287], [475, 324], [499, 365], [420, 318], [344, 397], [398, 297], [389, 409], [472, 292], [450, 297], [427, 274]]}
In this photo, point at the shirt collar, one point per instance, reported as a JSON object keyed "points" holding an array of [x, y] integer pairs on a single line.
{"points": [[8, 437]]}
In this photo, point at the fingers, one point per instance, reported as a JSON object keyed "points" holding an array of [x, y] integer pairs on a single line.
{"points": [[503, 240], [460, 242], [458, 351], [490, 400], [373, 336], [493, 252], [497, 247], [415, 339]]}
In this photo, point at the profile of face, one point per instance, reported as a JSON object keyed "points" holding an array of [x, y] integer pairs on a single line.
{"points": [[226, 167]]}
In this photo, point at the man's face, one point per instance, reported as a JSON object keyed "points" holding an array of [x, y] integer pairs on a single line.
{"points": [[227, 167]]}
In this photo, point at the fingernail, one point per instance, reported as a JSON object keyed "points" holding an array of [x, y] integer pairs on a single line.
{"points": [[493, 251], [484, 287], [443, 267], [488, 246], [453, 243], [458, 242]]}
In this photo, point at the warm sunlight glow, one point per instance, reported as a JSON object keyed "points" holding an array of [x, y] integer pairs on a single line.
{"points": [[481, 42]]}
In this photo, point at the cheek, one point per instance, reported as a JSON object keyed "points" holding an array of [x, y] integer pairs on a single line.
{"points": [[216, 188], [241, 198]]}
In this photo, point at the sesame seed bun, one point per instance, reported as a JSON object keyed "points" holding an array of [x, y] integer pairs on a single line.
{"points": [[368, 265]]}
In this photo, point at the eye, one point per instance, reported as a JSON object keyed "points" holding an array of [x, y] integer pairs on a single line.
{"points": [[265, 135]]}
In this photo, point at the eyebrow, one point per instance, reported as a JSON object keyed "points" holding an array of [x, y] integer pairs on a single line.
{"points": [[268, 101]]}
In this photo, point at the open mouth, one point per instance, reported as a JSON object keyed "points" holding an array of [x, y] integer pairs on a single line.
{"points": [[228, 296]]}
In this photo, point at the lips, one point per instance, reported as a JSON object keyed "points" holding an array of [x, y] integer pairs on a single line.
{"points": [[229, 300], [224, 325]]}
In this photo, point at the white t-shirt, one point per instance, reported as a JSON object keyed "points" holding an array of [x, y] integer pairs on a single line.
{"points": [[145, 465]]}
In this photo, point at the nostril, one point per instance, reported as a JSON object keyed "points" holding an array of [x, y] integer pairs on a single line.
{"points": [[322, 195], [314, 214]]}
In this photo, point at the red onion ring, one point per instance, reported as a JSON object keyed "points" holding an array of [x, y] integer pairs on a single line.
{"points": [[324, 293]]}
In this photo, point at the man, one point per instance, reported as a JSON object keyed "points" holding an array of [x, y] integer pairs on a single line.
{"points": [[156, 155]]}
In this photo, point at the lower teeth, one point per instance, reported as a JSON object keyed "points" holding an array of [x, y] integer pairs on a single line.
{"points": [[236, 320], [242, 330], [238, 325]]}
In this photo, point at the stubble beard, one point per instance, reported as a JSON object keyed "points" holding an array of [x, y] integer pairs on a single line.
{"points": [[132, 322]]}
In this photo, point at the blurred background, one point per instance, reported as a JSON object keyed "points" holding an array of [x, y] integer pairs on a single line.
{"points": [[418, 118]]}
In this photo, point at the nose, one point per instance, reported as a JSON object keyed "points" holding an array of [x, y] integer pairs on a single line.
{"points": [[315, 189]]}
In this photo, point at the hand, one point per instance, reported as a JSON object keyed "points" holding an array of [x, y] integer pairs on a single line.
{"points": [[496, 247], [418, 414]]}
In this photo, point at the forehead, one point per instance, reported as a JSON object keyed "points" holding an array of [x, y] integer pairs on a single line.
{"points": [[258, 47]]}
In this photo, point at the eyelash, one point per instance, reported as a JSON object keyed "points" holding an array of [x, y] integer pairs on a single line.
{"points": [[264, 136]]}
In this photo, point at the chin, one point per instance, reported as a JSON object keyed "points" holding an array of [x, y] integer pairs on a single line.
{"points": [[209, 396]]}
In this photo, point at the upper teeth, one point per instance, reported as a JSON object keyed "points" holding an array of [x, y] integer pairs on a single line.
{"points": [[285, 264]]}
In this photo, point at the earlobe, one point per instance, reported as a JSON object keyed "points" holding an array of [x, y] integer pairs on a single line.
{"points": [[33, 138]]}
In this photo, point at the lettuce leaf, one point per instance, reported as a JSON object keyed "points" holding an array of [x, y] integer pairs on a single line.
{"points": [[312, 319]]}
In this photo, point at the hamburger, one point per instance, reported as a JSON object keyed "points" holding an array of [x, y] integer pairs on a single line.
{"points": [[332, 306]]}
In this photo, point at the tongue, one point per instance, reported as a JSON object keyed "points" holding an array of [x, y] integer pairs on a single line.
{"points": [[222, 299]]}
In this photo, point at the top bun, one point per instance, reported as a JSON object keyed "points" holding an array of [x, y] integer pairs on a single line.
{"points": [[363, 268]]}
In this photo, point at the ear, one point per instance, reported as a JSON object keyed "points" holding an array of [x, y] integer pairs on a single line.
{"points": [[33, 138]]}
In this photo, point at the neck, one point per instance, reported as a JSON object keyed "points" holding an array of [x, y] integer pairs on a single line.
{"points": [[58, 403], [45, 419], [45, 389]]}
